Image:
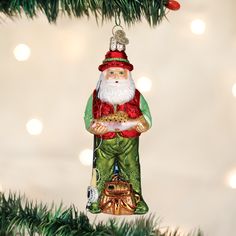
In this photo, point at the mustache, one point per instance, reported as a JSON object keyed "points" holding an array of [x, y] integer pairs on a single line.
{"points": [[116, 82]]}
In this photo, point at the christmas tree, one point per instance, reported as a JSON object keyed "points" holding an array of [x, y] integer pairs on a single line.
{"points": [[130, 11], [20, 216]]}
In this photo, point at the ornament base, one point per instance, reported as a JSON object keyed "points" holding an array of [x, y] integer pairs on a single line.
{"points": [[118, 198]]}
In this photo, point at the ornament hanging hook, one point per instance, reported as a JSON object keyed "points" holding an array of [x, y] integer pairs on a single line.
{"points": [[115, 27], [117, 23], [119, 40], [117, 19]]}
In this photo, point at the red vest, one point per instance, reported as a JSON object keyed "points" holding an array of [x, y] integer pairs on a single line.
{"points": [[101, 109]]}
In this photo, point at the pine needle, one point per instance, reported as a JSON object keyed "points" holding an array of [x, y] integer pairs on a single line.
{"points": [[131, 11], [19, 216]]}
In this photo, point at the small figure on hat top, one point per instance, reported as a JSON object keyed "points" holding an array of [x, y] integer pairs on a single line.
{"points": [[116, 113]]}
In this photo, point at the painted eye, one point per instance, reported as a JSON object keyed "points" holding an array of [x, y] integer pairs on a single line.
{"points": [[111, 73], [122, 73]]}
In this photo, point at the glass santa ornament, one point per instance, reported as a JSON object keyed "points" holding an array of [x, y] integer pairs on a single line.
{"points": [[116, 114]]}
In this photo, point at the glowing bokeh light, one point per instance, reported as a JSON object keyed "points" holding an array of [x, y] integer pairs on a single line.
{"points": [[86, 157], [22, 52], [198, 27], [232, 180], [144, 84], [234, 90], [34, 127]]}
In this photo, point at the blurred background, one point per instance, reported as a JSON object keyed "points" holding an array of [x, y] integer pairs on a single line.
{"points": [[185, 68]]}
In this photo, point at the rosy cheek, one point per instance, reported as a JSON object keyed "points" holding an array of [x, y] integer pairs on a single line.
{"points": [[122, 77], [109, 76]]}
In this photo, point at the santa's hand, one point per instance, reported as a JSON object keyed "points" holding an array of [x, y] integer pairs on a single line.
{"points": [[98, 129], [142, 125]]}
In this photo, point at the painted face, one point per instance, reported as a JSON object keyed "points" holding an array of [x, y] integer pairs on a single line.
{"points": [[116, 73]]}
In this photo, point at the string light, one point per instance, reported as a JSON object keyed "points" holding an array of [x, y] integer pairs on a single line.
{"points": [[22, 52], [198, 26], [86, 157], [144, 84], [34, 127]]}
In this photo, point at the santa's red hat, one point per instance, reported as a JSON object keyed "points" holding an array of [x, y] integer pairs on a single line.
{"points": [[116, 59]]}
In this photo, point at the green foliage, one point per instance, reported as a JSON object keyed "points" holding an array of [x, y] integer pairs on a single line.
{"points": [[130, 11], [18, 216]]}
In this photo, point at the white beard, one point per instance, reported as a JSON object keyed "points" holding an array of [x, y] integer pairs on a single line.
{"points": [[115, 93]]}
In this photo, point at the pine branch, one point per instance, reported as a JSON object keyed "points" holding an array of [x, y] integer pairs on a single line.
{"points": [[131, 11], [19, 216]]}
